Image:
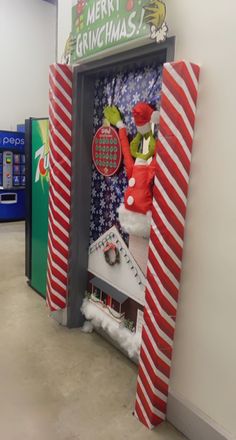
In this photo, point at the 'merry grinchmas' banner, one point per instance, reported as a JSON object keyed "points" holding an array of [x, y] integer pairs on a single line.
{"points": [[101, 24]]}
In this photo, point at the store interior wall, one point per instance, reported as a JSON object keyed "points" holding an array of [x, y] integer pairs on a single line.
{"points": [[27, 48], [204, 362], [64, 26]]}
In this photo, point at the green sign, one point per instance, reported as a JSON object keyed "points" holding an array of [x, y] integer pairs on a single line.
{"points": [[40, 189], [101, 24]]}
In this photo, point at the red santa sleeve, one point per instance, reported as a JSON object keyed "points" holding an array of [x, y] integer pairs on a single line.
{"points": [[128, 159]]}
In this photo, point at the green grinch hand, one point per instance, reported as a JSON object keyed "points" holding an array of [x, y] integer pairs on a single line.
{"points": [[112, 114]]}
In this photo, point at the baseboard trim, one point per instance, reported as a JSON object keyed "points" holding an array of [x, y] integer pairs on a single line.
{"points": [[194, 424]]}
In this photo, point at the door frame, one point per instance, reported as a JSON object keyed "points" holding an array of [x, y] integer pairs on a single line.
{"points": [[82, 135]]}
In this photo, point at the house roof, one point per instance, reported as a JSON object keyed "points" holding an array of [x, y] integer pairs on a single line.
{"points": [[109, 290]]}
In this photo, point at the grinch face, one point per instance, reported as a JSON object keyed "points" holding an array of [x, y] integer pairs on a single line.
{"points": [[143, 146]]}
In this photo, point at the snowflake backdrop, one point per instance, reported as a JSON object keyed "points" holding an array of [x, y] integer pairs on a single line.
{"points": [[123, 90]]}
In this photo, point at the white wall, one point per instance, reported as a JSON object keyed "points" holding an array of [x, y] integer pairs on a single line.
{"points": [[64, 25], [27, 47], [204, 362]]}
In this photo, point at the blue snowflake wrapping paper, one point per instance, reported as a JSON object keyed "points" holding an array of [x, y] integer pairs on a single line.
{"points": [[123, 90]]}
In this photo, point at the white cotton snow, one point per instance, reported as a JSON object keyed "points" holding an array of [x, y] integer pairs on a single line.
{"points": [[130, 342], [87, 327]]}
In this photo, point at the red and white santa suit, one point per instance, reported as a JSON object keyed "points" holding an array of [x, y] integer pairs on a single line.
{"points": [[135, 212]]}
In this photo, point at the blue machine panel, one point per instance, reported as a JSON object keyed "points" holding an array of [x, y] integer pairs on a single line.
{"points": [[21, 128], [12, 140], [12, 205], [12, 199]]}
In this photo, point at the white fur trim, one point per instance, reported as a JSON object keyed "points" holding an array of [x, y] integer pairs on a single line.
{"points": [[155, 117], [87, 327], [135, 223], [143, 129], [120, 124], [140, 161], [130, 342]]}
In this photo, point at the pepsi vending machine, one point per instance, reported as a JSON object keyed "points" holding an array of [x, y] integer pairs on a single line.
{"points": [[12, 176]]}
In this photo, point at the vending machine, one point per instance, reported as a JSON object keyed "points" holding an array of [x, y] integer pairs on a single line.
{"points": [[12, 176], [37, 185]]}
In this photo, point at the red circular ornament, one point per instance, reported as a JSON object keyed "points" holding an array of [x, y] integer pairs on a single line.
{"points": [[130, 5], [106, 151], [80, 6]]}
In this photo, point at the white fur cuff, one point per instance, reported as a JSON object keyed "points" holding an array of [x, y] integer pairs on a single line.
{"points": [[120, 124], [155, 117], [143, 129], [135, 223]]}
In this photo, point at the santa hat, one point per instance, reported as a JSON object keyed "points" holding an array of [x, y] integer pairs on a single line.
{"points": [[144, 116]]}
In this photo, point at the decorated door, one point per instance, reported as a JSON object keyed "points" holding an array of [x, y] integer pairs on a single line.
{"points": [[178, 86]]}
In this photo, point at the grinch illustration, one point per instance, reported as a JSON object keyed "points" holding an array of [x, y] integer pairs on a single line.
{"points": [[135, 212], [155, 15], [71, 40], [69, 49]]}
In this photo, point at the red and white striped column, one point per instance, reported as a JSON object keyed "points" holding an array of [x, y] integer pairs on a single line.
{"points": [[60, 138], [177, 118]]}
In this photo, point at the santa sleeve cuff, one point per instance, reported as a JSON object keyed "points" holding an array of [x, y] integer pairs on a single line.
{"points": [[120, 124]]}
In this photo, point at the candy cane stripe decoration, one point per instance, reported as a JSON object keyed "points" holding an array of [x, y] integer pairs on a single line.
{"points": [[177, 118], [60, 137]]}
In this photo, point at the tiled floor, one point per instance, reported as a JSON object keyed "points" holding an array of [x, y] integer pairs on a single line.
{"points": [[56, 383]]}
